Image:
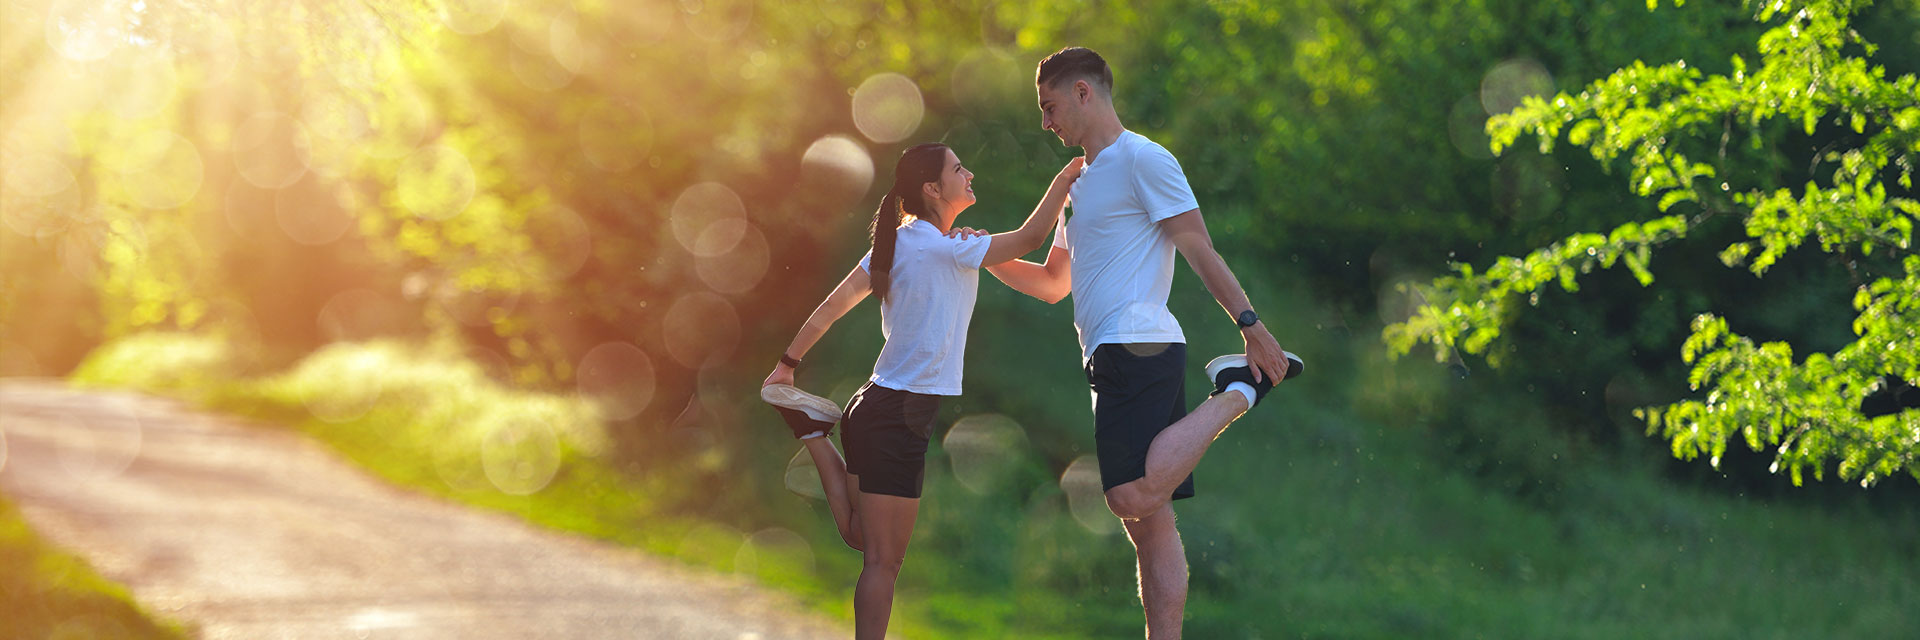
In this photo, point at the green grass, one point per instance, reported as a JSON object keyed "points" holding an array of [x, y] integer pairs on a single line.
{"points": [[1334, 519], [47, 593]]}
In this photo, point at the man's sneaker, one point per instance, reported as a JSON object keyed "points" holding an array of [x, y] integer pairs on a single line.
{"points": [[1228, 369], [804, 412]]}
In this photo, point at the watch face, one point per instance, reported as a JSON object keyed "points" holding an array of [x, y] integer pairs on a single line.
{"points": [[1247, 319]]}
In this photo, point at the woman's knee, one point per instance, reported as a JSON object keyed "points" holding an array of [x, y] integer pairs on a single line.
{"points": [[877, 560]]}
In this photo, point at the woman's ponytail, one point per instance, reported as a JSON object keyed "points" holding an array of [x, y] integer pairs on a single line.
{"points": [[918, 165], [882, 233]]}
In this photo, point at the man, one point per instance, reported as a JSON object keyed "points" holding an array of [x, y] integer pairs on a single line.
{"points": [[1132, 209]]}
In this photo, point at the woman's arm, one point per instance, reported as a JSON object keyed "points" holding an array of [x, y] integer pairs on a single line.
{"points": [[851, 291], [1050, 282], [1021, 241]]}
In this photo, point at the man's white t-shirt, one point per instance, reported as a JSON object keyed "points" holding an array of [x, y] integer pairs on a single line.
{"points": [[929, 303], [1122, 260]]}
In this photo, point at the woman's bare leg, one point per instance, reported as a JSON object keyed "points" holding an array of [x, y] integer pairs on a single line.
{"points": [[888, 523], [840, 488]]}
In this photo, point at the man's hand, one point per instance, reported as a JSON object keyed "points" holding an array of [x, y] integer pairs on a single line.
{"points": [[1263, 352], [961, 232], [782, 374]]}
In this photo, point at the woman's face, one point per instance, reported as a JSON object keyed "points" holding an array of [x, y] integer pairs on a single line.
{"points": [[954, 190]]}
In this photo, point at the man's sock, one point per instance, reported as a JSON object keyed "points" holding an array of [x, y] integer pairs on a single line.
{"points": [[1245, 390]]}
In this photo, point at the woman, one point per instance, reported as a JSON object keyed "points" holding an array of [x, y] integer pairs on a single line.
{"points": [[926, 282]]}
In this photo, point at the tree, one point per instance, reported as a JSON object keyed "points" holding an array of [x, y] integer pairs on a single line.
{"points": [[1672, 124]]}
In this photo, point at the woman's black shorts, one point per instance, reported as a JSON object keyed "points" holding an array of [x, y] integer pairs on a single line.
{"points": [[1138, 390], [885, 434]]}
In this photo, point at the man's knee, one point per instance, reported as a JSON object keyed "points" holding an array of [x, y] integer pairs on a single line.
{"points": [[1130, 503]]}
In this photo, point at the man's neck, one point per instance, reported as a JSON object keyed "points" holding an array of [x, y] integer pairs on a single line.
{"points": [[1101, 137]]}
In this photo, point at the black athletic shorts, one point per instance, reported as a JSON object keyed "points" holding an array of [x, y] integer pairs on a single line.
{"points": [[885, 434], [1138, 390]]}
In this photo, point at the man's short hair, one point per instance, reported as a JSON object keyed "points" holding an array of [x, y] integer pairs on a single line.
{"points": [[1074, 63]]}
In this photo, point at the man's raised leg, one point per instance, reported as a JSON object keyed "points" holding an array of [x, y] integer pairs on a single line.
{"points": [[1173, 455], [1177, 450]]}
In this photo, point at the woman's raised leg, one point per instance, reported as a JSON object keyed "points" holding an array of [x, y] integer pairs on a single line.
{"points": [[840, 488]]}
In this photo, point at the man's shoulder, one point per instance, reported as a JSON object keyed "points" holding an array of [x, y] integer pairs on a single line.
{"points": [[1140, 147]]}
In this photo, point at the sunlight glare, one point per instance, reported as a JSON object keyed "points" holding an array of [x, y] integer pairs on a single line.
{"points": [[249, 209], [887, 107], [718, 20], [537, 69], [569, 242], [699, 207], [309, 213], [1081, 483], [983, 450], [738, 270], [32, 173], [700, 329], [436, 182], [568, 45], [359, 314], [1510, 82], [802, 478], [472, 17], [355, 384], [521, 456], [618, 377], [143, 86], [838, 168], [271, 150], [778, 545], [615, 138], [84, 30], [161, 170], [106, 455]]}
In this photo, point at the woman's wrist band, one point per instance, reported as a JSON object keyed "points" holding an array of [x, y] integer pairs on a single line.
{"points": [[789, 361]]}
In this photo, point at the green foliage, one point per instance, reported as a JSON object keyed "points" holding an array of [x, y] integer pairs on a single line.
{"points": [[1814, 69], [1355, 527], [47, 593]]}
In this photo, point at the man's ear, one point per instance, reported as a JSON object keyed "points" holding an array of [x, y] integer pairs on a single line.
{"points": [[1083, 90]]}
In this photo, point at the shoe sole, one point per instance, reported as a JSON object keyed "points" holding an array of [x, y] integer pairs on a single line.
{"points": [[791, 397], [1229, 361]]}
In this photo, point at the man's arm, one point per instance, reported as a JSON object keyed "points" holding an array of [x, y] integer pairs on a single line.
{"points": [[1050, 282], [1189, 233]]}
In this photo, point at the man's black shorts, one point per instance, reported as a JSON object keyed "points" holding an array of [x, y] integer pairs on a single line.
{"points": [[885, 434], [1138, 390]]}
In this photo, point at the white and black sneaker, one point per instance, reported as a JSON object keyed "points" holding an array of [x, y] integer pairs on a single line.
{"points": [[804, 412], [1231, 368]]}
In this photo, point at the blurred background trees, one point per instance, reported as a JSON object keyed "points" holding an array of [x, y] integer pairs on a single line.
{"points": [[638, 202]]}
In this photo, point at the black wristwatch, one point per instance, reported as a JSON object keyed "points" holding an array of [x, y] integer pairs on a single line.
{"points": [[789, 360], [1247, 319]]}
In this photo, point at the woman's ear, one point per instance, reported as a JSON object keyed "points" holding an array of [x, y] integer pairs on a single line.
{"points": [[931, 190]]}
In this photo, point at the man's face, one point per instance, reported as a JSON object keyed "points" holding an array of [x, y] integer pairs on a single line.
{"points": [[1060, 110]]}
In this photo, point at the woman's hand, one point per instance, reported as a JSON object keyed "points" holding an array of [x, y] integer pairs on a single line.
{"points": [[1071, 172], [782, 374]]}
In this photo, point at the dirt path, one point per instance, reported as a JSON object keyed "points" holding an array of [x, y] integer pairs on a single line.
{"points": [[258, 533]]}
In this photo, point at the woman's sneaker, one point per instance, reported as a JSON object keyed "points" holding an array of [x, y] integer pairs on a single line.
{"points": [[805, 413], [1228, 369]]}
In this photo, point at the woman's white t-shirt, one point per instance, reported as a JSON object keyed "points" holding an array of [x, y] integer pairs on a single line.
{"points": [[1122, 260], [932, 288]]}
